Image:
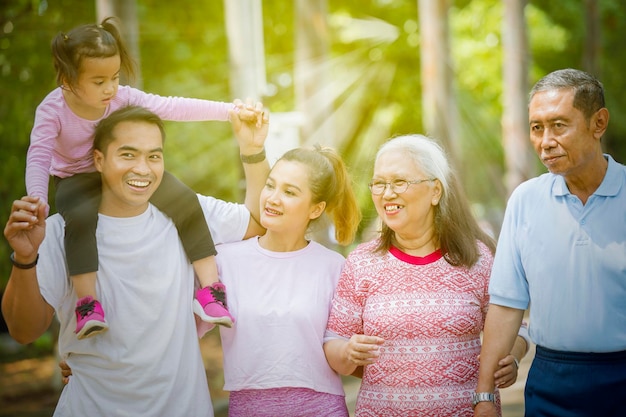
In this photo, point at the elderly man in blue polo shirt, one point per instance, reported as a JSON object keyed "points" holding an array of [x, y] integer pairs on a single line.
{"points": [[562, 252]]}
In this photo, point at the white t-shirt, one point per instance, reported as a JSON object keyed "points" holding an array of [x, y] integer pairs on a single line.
{"points": [[149, 362], [281, 302]]}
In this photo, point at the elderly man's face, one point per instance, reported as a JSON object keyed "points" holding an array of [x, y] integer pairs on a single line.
{"points": [[565, 141]]}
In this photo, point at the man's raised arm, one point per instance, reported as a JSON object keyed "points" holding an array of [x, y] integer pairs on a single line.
{"points": [[25, 311]]}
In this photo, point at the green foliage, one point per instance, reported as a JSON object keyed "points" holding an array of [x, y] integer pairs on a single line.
{"points": [[26, 76], [191, 60], [375, 56], [374, 64], [476, 37], [561, 25]]}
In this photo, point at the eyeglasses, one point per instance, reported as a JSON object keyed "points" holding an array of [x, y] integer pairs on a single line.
{"points": [[397, 186]]}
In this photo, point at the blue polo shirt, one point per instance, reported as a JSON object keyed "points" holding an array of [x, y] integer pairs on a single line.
{"points": [[567, 261]]}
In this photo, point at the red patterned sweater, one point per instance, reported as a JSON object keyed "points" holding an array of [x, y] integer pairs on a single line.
{"points": [[430, 314]]}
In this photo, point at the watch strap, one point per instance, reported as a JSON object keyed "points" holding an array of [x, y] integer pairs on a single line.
{"points": [[479, 397], [253, 159]]}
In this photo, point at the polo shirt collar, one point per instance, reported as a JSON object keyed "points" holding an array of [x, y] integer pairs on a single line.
{"points": [[609, 186]]}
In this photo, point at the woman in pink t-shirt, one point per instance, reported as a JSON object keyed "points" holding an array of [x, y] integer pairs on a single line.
{"points": [[280, 289]]}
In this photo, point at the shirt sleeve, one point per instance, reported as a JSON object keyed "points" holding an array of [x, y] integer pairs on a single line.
{"points": [[228, 222], [180, 109], [523, 333], [346, 314], [39, 156], [508, 286]]}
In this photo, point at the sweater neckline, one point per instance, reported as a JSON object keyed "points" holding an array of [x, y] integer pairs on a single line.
{"points": [[416, 260]]}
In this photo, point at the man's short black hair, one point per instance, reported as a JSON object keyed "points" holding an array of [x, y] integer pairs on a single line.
{"points": [[104, 130]]}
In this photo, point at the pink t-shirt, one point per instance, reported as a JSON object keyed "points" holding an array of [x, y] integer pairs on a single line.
{"points": [[61, 143], [280, 301], [430, 314]]}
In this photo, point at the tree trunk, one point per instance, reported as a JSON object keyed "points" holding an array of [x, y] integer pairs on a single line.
{"points": [[593, 39], [517, 150], [313, 102], [126, 11], [310, 74], [244, 30], [439, 109]]}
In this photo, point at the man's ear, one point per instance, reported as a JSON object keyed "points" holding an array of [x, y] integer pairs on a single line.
{"points": [[599, 122], [98, 158]]}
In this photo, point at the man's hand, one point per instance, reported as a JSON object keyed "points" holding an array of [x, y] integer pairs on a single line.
{"points": [[25, 311], [25, 228]]}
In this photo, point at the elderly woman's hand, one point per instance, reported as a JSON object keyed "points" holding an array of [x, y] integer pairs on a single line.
{"points": [[506, 375], [363, 350]]}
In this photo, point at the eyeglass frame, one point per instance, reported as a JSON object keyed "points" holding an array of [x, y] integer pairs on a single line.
{"points": [[393, 186]]}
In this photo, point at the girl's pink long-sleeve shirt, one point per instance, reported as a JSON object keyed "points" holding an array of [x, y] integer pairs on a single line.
{"points": [[61, 143]]}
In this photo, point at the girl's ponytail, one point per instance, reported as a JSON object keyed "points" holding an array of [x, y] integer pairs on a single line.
{"points": [[88, 41], [343, 208]]}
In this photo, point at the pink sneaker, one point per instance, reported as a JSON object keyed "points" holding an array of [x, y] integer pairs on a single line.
{"points": [[210, 305], [89, 318]]}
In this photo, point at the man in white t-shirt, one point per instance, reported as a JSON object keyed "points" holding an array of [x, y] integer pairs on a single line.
{"points": [[149, 362]]}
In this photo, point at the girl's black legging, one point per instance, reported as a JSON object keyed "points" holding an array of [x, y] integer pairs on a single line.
{"points": [[78, 199]]}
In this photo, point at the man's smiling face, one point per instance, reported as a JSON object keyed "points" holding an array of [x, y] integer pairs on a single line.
{"points": [[132, 167]]}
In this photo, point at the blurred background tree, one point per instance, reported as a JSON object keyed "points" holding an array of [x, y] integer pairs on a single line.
{"points": [[371, 66]]}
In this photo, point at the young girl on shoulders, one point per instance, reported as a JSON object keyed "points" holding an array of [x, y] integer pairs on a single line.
{"points": [[89, 60]]}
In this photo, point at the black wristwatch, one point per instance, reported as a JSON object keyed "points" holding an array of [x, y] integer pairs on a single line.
{"points": [[479, 397]]}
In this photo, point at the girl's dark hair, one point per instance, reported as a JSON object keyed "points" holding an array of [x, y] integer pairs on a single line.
{"points": [[456, 228], [88, 41], [329, 181], [103, 135]]}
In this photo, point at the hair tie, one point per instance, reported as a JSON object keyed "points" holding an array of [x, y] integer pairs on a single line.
{"points": [[100, 27], [65, 37]]}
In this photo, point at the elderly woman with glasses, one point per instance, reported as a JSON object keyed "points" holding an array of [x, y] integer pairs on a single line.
{"points": [[410, 305]]}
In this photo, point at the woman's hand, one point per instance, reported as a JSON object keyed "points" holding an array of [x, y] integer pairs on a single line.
{"points": [[66, 372], [506, 375], [363, 350]]}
